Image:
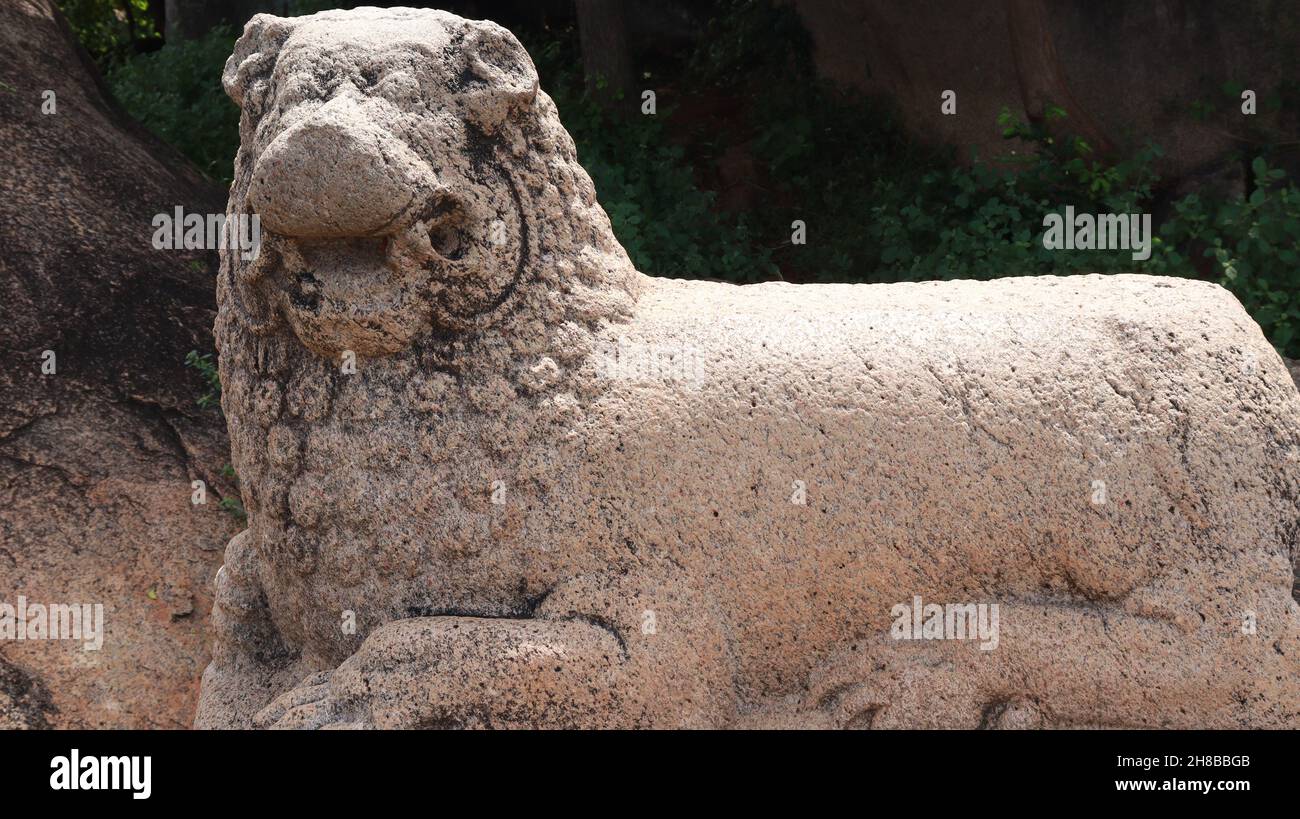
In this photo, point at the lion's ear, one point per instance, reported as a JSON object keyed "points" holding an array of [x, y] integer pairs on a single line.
{"points": [[506, 79], [255, 54]]}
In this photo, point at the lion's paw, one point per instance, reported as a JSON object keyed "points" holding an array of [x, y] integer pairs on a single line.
{"points": [[905, 685], [312, 705]]}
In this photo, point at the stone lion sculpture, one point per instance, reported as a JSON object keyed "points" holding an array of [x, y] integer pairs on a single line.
{"points": [[495, 477]]}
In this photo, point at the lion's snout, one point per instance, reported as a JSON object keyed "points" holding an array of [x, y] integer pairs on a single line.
{"points": [[336, 174], [384, 214]]}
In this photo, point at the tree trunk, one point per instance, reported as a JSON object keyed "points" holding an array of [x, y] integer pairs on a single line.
{"points": [[1042, 81], [606, 60], [189, 19], [158, 14]]}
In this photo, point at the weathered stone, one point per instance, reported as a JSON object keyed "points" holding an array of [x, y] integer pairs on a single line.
{"points": [[98, 456], [25, 703], [555, 492]]}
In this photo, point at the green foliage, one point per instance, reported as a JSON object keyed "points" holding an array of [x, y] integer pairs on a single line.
{"points": [[107, 31], [208, 370], [1255, 247], [176, 92], [982, 221], [879, 207], [752, 42], [232, 503], [665, 221], [235, 507]]}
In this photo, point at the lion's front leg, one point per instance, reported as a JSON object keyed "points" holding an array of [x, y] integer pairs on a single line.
{"points": [[249, 658], [466, 672], [596, 656]]}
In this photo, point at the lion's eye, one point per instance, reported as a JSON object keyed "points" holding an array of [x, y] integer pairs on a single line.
{"points": [[445, 219], [301, 91], [369, 76], [399, 88], [308, 88], [321, 92], [447, 241], [255, 97]]}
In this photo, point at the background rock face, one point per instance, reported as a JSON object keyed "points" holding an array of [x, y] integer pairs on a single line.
{"points": [[554, 492], [1117, 68], [96, 460]]}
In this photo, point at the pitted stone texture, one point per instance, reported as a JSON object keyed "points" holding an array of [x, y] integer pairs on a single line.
{"points": [[555, 492], [97, 458]]}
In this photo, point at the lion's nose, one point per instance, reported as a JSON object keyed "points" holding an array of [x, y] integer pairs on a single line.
{"points": [[337, 174]]}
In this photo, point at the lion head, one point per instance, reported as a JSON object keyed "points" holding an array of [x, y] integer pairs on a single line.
{"points": [[392, 157], [423, 210]]}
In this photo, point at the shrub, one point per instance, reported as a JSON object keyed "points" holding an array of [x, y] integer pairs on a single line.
{"points": [[109, 37], [663, 218], [176, 92], [1255, 246]]}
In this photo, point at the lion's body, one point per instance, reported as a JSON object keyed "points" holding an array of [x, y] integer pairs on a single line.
{"points": [[701, 498]]}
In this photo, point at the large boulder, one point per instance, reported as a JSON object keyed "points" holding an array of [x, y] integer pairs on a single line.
{"points": [[496, 477], [97, 457]]}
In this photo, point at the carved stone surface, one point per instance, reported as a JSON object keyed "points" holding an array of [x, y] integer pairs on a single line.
{"points": [[555, 492]]}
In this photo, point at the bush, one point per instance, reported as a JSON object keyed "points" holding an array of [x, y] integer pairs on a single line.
{"points": [[176, 92], [109, 37], [881, 208], [1255, 246], [665, 221]]}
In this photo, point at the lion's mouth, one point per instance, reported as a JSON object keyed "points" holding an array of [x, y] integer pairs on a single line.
{"points": [[443, 263], [370, 296], [373, 295]]}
